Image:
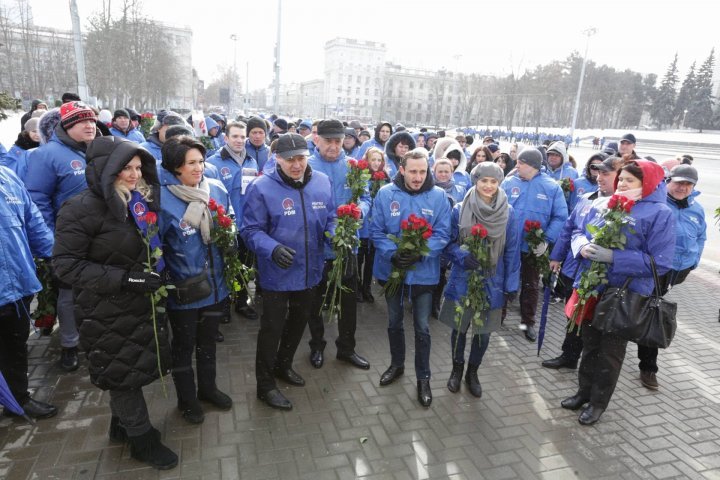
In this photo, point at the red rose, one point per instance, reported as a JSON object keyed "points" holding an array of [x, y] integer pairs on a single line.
{"points": [[613, 202], [427, 233], [342, 210], [151, 218], [212, 204], [363, 165], [355, 210], [380, 175], [352, 163], [571, 185], [404, 225], [478, 230], [629, 205], [224, 222], [220, 210]]}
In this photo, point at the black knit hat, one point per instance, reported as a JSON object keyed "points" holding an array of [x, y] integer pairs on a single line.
{"points": [[120, 112], [256, 122]]}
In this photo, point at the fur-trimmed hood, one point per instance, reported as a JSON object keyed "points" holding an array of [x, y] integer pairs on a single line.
{"points": [[399, 137], [446, 145], [47, 124]]}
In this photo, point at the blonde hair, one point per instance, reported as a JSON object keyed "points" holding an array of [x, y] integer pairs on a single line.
{"points": [[142, 187]]}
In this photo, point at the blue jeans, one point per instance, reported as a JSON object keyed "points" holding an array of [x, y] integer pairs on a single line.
{"points": [[421, 306]]}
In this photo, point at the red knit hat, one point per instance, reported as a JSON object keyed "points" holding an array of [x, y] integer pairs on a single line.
{"points": [[75, 112]]}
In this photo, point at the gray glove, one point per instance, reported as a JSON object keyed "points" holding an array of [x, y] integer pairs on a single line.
{"points": [[283, 256], [596, 253]]}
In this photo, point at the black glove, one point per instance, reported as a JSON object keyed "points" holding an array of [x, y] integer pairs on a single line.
{"points": [[283, 256], [510, 297], [404, 259], [470, 262], [141, 282]]}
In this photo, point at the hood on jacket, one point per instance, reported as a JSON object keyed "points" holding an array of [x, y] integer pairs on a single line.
{"points": [[393, 141], [377, 131], [210, 124], [586, 171], [446, 145], [47, 124], [106, 157], [558, 147], [653, 176]]}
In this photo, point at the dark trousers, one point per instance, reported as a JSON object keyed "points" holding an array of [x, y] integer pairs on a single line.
{"points": [[421, 297], [573, 344], [602, 359], [14, 333], [347, 322], [478, 346], [194, 329], [130, 407], [366, 257], [280, 332], [437, 293], [530, 279], [247, 258]]}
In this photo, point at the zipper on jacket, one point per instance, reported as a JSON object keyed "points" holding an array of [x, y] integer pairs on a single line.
{"points": [[307, 255]]}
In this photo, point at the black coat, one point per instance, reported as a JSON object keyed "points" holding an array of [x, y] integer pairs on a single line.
{"points": [[96, 244]]}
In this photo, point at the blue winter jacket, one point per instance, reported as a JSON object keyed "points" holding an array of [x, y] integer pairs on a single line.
{"points": [[236, 178], [367, 144], [690, 233], [218, 140], [23, 234], [337, 173], [133, 134], [55, 173], [154, 146], [566, 170], [260, 154], [16, 160], [540, 199], [562, 251], [184, 252], [392, 205], [654, 226], [507, 271], [582, 186], [278, 214]]}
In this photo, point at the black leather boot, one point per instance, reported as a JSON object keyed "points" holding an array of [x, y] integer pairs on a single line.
{"points": [[453, 383], [472, 381]]}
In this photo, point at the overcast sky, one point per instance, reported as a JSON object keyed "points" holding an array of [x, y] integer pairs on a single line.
{"points": [[496, 37]]}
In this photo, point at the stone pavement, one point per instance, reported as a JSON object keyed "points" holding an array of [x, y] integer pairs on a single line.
{"points": [[344, 425]]}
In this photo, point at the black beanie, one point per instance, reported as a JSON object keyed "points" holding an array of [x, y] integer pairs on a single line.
{"points": [[121, 112], [256, 122]]}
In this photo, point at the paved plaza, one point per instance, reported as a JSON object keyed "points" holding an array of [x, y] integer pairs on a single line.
{"points": [[344, 425]]}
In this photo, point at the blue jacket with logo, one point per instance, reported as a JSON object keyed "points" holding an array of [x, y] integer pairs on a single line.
{"points": [[540, 199], [582, 187], [231, 175], [260, 154], [55, 173], [337, 173], [184, 252], [278, 214], [133, 134], [507, 271], [392, 205], [23, 234], [690, 233]]}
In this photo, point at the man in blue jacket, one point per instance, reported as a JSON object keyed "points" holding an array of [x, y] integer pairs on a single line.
{"points": [[56, 172], [122, 127], [288, 211], [255, 145], [23, 234], [412, 191], [236, 170], [330, 159], [537, 197], [164, 120]]}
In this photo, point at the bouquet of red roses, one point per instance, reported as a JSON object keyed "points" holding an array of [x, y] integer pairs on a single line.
{"points": [[224, 235], [582, 302], [535, 237], [357, 178], [476, 297], [44, 313], [377, 181], [567, 185], [415, 233], [343, 242]]}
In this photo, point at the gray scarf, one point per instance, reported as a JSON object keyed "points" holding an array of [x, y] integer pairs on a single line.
{"points": [[493, 216], [197, 214], [239, 159]]}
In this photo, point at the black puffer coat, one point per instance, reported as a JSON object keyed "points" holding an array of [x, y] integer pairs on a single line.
{"points": [[96, 244]]}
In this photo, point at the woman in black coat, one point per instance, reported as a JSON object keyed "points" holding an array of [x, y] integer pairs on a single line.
{"points": [[100, 251]]}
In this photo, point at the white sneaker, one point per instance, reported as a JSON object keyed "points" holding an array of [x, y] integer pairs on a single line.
{"points": [[523, 327]]}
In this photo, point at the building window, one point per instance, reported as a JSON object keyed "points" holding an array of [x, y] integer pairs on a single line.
{"points": [[367, 91], [365, 102], [412, 85], [359, 79], [357, 90]]}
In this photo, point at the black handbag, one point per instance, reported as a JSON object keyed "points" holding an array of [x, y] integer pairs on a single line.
{"points": [[192, 289], [645, 320]]}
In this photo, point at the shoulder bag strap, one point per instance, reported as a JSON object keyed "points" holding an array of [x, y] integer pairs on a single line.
{"points": [[656, 279]]}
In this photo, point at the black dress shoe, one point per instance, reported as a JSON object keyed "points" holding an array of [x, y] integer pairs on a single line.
{"points": [[424, 393], [35, 409], [590, 415], [391, 374], [217, 398], [560, 362], [530, 333], [69, 359], [219, 337], [192, 412], [316, 358], [290, 376], [355, 360], [574, 402], [275, 399], [247, 311]]}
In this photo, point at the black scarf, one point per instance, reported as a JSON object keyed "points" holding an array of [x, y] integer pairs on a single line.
{"points": [[25, 142], [399, 180], [679, 203], [297, 184]]}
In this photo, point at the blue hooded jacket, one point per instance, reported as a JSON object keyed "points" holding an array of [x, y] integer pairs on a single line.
{"points": [[260, 154], [565, 170], [337, 173], [690, 232], [184, 252], [236, 178], [392, 205], [23, 235], [562, 251], [218, 140], [55, 173], [133, 134], [278, 214], [507, 270], [16, 160], [154, 146], [583, 186], [392, 162], [540, 199]]}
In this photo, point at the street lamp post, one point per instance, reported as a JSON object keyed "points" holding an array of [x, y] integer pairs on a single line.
{"points": [[684, 115], [589, 33], [234, 38]]}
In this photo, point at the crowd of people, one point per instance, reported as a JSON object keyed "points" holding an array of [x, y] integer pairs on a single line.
{"points": [[133, 229]]}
